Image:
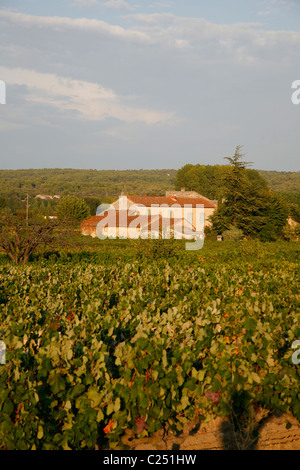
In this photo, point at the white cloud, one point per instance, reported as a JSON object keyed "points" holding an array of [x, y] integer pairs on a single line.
{"points": [[118, 5], [166, 4], [86, 3], [66, 23], [166, 30], [274, 7], [285, 3], [242, 43], [86, 100]]}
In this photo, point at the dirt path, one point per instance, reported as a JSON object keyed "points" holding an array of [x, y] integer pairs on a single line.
{"points": [[276, 433]]}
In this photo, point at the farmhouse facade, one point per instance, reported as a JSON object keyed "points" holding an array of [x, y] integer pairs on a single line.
{"points": [[150, 217], [125, 224], [169, 206]]}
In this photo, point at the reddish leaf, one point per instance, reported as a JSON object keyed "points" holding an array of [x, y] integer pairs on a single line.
{"points": [[140, 424], [213, 396]]}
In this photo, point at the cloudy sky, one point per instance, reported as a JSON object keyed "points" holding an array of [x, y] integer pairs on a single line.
{"points": [[125, 84]]}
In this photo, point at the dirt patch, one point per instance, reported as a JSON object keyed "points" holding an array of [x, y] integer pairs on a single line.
{"points": [[274, 433]]}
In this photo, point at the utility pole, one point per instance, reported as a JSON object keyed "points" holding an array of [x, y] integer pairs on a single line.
{"points": [[27, 210]]}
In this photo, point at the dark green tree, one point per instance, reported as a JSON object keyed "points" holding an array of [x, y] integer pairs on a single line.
{"points": [[236, 188], [294, 211], [205, 179], [247, 205], [208, 180], [276, 212], [93, 203]]}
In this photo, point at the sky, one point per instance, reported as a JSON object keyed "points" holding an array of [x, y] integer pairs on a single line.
{"points": [[125, 84]]}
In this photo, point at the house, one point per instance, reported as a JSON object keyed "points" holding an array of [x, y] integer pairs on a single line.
{"points": [[189, 208], [50, 217], [113, 224], [126, 224], [151, 217]]}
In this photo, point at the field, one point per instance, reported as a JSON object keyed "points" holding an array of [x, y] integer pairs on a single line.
{"points": [[143, 336]]}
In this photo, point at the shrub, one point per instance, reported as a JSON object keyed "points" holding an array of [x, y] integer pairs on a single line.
{"points": [[234, 234]]}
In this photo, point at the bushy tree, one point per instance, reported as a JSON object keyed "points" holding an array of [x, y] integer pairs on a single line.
{"points": [[234, 234], [72, 209], [205, 179], [19, 238], [209, 180]]}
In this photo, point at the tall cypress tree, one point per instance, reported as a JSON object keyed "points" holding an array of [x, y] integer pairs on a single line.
{"points": [[247, 206], [236, 185]]}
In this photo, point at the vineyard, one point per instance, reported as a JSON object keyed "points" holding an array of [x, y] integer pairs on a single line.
{"points": [[140, 337]]}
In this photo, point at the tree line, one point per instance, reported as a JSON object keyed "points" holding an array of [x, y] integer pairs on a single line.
{"points": [[107, 185]]}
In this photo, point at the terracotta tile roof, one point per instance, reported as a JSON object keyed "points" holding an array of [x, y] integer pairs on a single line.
{"points": [[147, 201], [194, 201], [123, 219], [118, 219], [91, 221]]}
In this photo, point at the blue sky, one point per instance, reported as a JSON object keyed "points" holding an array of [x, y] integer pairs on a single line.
{"points": [[119, 84]]}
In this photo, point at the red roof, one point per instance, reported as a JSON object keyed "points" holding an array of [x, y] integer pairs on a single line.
{"points": [[123, 219], [118, 219], [148, 201]]}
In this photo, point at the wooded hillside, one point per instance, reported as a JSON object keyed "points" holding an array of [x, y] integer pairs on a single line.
{"points": [[106, 185], [100, 183]]}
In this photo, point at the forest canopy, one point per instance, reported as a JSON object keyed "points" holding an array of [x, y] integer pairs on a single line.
{"points": [[45, 187]]}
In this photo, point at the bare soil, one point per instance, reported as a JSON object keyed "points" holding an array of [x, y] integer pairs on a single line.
{"points": [[274, 433]]}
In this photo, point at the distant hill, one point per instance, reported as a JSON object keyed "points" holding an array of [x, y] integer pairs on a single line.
{"points": [[110, 183], [85, 183], [282, 181]]}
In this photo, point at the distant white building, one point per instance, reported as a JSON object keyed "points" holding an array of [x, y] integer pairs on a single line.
{"points": [[46, 196]]}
